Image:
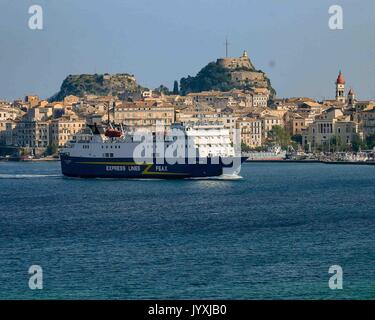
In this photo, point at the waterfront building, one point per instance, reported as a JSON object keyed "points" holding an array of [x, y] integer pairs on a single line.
{"points": [[330, 124], [268, 122], [367, 120], [32, 133], [64, 128], [2, 130], [251, 131], [295, 124], [144, 114], [7, 134], [32, 130], [8, 115]]}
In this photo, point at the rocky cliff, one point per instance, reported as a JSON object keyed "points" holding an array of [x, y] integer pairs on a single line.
{"points": [[122, 85]]}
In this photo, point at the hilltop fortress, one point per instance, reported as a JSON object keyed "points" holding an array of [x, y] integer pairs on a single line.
{"points": [[242, 71], [226, 74], [242, 62]]}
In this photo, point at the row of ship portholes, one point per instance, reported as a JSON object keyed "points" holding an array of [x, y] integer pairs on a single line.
{"points": [[116, 147]]}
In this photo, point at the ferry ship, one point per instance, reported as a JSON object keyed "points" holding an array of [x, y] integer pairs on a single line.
{"points": [[183, 151]]}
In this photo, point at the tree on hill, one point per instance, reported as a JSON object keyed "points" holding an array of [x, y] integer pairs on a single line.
{"points": [[358, 143], [162, 89], [297, 138], [279, 136], [51, 150], [370, 141], [211, 77], [245, 147], [175, 87], [336, 145]]}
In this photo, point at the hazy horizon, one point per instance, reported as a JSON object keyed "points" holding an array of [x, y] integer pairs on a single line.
{"points": [[162, 41]]}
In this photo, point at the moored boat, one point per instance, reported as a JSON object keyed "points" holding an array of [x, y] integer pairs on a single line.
{"points": [[272, 154]]}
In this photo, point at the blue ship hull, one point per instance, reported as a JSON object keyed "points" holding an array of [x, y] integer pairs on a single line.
{"points": [[127, 168]]}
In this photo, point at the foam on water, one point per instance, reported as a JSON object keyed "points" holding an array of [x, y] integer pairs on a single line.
{"points": [[27, 176], [222, 177]]}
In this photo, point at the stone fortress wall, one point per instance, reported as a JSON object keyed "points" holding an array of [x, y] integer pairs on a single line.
{"points": [[236, 63], [242, 71]]}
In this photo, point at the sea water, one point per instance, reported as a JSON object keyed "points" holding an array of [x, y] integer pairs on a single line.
{"points": [[272, 234]]}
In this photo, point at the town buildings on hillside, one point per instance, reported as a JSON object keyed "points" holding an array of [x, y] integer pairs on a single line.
{"points": [[35, 124]]}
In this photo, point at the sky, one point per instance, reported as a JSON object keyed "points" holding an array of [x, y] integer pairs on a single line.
{"points": [[160, 41]]}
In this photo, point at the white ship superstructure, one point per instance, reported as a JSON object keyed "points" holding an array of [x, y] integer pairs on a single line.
{"points": [[211, 139]]}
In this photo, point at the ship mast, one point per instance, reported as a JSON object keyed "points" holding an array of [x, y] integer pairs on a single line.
{"points": [[109, 103]]}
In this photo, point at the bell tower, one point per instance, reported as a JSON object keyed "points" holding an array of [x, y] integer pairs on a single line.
{"points": [[340, 88], [351, 98]]}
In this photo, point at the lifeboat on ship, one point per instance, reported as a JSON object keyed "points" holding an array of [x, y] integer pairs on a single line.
{"points": [[113, 133]]}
